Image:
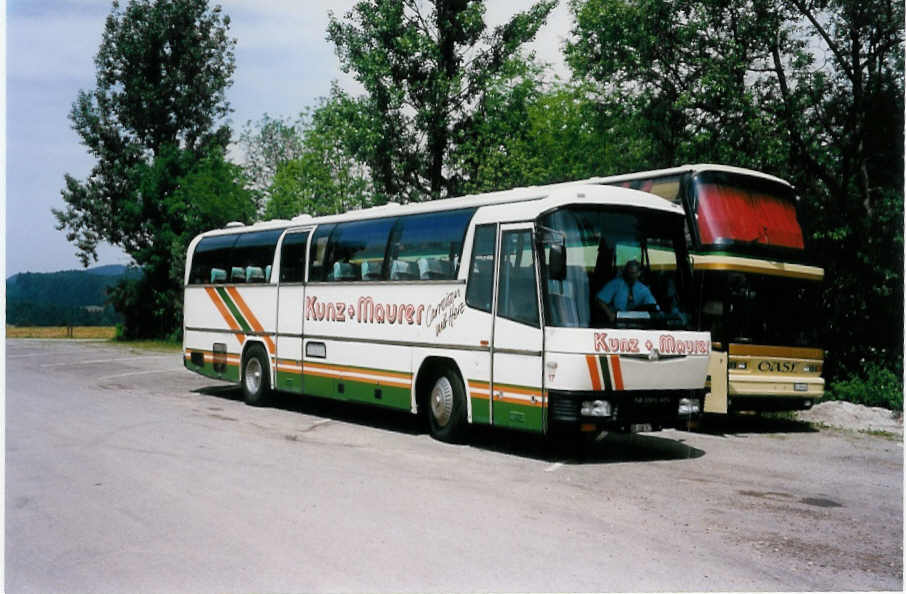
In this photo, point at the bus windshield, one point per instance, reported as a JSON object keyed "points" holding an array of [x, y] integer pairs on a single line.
{"points": [[739, 209], [600, 243], [760, 309]]}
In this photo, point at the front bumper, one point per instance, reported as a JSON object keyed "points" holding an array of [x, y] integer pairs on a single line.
{"points": [[655, 408]]}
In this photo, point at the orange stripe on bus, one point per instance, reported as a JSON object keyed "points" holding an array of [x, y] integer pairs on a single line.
{"points": [[247, 312], [538, 403], [518, 389], [592, 362], [362, 370], [617, 372], [222, 308], [356, 379]]}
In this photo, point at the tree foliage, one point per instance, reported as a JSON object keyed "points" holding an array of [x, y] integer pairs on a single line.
{"points": [[269, 144], [324, 176], [152, 124], [425, 65]]}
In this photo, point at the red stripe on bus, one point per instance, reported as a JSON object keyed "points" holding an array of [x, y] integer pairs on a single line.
{"points": [[617, 372], [593, 371]]}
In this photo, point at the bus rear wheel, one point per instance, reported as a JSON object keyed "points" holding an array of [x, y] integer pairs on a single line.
{"points": [[446, 406], [256, 385]]}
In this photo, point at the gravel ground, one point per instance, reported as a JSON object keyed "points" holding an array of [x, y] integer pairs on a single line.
{"points": [[854, 417]]}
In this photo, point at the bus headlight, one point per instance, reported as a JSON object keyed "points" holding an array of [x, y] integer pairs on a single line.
{"points": [[689, 406], [596, 408]]}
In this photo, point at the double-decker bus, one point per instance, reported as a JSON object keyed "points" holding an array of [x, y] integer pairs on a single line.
{"points": [[472, 310], [757, 284]]}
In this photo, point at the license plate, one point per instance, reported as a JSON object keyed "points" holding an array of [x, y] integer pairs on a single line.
{"points": [[800, 387], [640, 428]]}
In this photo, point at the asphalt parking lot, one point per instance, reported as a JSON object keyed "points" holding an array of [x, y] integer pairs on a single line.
{"points": [[125, 472]]}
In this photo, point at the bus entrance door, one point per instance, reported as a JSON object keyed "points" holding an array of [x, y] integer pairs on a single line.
{"points": [[517, 392], [290, 305]]}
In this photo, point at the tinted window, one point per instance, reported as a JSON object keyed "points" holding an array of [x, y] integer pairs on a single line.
{"points": [[481, 268], [428, 246], [318, 255], [356, 250], [517, 296], [292, 257], [252, 257], [210, 263]]}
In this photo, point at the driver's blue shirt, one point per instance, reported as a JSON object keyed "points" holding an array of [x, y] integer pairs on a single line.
{"points": [[616, 294]]}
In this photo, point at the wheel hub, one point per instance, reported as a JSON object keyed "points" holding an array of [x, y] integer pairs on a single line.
{"points": [[253, 375], [442, 402]]}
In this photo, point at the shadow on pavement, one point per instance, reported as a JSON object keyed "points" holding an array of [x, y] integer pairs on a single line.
{"points": [[336, 410], [750, 423], [604, 448]]}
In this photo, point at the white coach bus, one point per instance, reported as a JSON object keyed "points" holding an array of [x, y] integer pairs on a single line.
{"points": [[465, 310]]}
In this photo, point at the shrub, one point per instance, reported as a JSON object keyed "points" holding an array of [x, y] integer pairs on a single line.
{"points": [[876, 385]]}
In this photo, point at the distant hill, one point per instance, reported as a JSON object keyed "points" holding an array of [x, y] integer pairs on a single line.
{"points": [[77, 297]]}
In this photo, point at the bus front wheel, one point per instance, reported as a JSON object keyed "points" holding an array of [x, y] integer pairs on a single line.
{"points": [[256, 377], [447, 407]]}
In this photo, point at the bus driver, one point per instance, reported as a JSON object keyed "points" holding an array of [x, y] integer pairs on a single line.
{"points": [[625, 293]]}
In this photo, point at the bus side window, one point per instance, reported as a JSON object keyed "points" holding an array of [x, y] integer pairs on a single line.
{"points": [[252, 254], [318, 253], [292, 257], [481, 268], [517, 296], [211, 259], [356, 250], [428, 246]]}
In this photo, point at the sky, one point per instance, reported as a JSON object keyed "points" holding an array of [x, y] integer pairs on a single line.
{"points": [[283, 64]]}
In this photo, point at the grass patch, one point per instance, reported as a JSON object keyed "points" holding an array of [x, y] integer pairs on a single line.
{"points": [[165, 346], [101, 332]]}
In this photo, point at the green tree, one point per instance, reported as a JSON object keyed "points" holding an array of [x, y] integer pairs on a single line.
{"points": [[529, 135], [424, 66], [163, 67], [325, 177], [269, 144], [811, 90]]}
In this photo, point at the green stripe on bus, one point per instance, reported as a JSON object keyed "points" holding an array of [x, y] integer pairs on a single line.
{"points": [[233, 309], [605, 373], [230, 373], [518, 416], [357, 391], [481, 410]]}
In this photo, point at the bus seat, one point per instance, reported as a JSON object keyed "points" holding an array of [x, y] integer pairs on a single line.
{"points": [[372, 270], [267, 273], [433, 268], [254, 274], [218, 275], [343, 271], [237, 275], [403, 270]]}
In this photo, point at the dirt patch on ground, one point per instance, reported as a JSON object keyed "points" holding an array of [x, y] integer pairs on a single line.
{"points": [[854, 417]]}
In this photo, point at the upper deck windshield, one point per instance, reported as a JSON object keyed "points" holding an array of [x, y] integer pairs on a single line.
{"points": [[599, 242], [745, 211]]}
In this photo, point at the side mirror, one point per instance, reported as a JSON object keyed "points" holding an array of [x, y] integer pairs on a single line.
{"points": [[556, 262]]}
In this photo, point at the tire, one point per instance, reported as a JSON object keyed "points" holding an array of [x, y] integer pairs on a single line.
{"points": [[446, 407], [256, 385]]}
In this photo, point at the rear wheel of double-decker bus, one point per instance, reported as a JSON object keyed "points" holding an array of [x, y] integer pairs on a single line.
{"points": [[256, 376], [447, 406]]}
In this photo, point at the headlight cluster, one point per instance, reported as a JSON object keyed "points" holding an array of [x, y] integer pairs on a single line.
{"points": [[596, 408], [689, 406]]}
